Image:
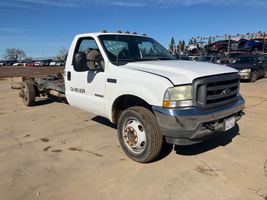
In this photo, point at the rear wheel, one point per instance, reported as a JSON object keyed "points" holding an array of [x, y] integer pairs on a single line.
{"points": [[28, 93], [139, 134]]}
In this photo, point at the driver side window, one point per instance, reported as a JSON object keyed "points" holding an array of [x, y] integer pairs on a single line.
{"points": [[89, 47]]}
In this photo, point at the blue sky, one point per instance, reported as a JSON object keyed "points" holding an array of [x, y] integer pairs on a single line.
{"points": [[42, 27]]}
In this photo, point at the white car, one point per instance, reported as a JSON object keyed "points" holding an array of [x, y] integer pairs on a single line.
{"points": [[53, 63]]}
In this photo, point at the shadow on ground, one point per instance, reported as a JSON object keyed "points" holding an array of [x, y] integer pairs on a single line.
{"points": [[104, 121], [221, 139], [49, 100]]}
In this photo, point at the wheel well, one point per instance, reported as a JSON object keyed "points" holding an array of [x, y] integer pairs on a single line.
{"points": [[124, 102]]}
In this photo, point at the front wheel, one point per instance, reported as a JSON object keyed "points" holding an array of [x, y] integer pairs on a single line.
{"points": [[254, 77], [139, 134]]}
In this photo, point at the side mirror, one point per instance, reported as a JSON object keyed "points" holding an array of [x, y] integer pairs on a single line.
{"points": [[79, 62], [100, 64]]}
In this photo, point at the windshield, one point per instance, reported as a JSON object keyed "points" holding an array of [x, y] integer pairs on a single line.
{"points": [[122, 49]]}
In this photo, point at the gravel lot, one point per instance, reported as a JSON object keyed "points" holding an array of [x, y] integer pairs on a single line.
{"points": [[54, 151]]}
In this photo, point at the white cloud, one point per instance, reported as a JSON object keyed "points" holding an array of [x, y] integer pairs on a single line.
{"points": [[40, 4], [67, 4], [127, 4], [151, 3]]}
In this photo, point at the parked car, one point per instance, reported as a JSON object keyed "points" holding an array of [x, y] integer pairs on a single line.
{"points": [[59, 63], [38, 63], [47, 62], [211, 59], [263, 61], [10, 62], [250, 67], [29, 64], [229, 57], [20, 63], [220, 46], [252, 45], [2, 63], [52, 63], [193, 49]]}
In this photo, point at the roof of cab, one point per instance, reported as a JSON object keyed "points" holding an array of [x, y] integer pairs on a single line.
{"points": [[95, 34]]}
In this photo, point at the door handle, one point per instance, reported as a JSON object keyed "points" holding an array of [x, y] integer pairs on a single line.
{"points": [[68, 76]]}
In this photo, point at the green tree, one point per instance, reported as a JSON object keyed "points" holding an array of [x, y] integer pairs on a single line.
{"points": [[171, 45], [182, 46], [179, 46]]}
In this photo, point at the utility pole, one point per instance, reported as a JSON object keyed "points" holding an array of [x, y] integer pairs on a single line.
{"points": [[229, 43], [263, 42]]}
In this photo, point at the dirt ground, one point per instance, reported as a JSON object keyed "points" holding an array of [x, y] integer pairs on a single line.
{"points": [[54, 151]]}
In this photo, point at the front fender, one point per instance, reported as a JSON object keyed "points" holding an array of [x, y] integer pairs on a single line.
{"points": [[149, 96]]}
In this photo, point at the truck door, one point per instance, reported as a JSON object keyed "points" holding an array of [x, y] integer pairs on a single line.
{"points": [[85, 87]]}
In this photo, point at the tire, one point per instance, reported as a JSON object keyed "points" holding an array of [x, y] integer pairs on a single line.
{"points": [[139, 134], [28, 93], [253, 77]]}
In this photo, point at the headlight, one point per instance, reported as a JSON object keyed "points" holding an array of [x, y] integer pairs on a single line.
{"points": [[245, 70], [179, 96]]}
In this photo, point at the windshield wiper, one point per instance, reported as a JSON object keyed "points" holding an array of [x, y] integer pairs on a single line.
{"points": [[163, 58], [127, 60]]}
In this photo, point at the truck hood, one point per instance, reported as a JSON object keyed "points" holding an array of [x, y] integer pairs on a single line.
{"points": [[180, 72]]}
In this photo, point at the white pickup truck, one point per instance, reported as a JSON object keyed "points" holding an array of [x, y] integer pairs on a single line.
{"points": [[137, 84]]}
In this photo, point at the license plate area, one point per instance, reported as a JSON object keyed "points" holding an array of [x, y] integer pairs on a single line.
{"points": [[229, 123]]}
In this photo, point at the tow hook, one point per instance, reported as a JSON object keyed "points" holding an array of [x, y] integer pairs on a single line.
{"points": [[210, 127]]}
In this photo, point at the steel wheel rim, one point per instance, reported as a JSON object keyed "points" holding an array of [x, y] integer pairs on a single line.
{"points": [[134, 136]]}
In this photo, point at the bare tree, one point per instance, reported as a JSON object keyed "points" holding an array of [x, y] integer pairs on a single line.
{"points": [[14, 54], [62, 53]]}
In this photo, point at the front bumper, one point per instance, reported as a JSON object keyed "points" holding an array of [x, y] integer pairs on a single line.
{"points": [[184, 126]]}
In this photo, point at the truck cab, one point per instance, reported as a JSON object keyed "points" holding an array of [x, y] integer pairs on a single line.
{"points": [[136, 83]]}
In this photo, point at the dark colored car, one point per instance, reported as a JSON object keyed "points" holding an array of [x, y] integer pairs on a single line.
{"points": [[253, 45], [229, 57], [10, 62], [211, 59], [220, 46], [250, 67]]}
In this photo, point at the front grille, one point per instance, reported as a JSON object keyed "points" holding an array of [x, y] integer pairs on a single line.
{"points": [[215, 91]]}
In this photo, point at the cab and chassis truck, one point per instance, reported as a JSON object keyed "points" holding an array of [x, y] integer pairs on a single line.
{"points": [[137, 84]]}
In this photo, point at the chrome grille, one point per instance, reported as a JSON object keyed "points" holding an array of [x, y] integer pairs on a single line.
{"points": [[215, 91]]}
